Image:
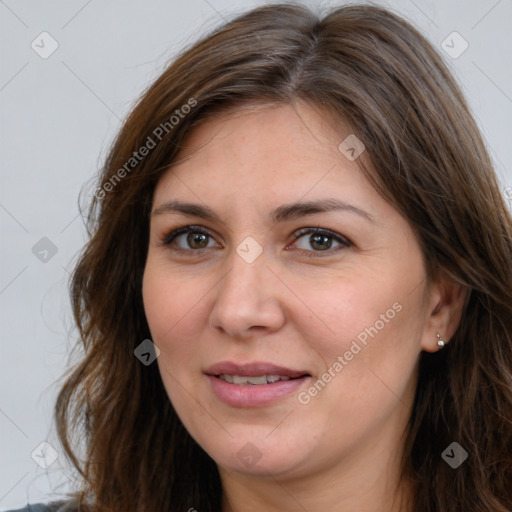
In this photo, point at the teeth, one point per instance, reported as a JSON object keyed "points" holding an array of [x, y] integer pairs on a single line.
{"points": [[256, 381]]}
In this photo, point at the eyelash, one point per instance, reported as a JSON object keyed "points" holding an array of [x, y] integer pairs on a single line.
{"points": [[343, 241]]}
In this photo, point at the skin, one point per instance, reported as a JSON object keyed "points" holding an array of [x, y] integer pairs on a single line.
{"points": [[295, 306]]}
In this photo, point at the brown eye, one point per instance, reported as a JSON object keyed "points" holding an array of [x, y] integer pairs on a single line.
{"points": [[189, 238], [320, 242], [316, 240], [197, 240]]}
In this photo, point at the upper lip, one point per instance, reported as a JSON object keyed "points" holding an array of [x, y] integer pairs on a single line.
{"points": [[254, 369]]}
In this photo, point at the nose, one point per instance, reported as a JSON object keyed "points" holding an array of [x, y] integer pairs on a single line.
{"points": [[248, 300]]}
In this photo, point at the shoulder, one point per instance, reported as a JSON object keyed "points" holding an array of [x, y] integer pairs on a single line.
{"points": [[57, 506]]}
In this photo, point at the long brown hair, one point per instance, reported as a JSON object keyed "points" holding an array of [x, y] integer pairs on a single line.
{"points": [[371, 69]]}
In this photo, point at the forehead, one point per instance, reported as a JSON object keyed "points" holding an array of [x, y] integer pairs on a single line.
{"points": [[289, 150]]}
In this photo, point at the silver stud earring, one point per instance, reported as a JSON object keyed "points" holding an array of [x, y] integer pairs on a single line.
{"points": [[440, 342]]}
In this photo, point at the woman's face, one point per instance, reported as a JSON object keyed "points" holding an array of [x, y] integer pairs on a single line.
{"points": [[287, 264]]}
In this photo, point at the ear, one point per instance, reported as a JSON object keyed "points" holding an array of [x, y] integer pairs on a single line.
{"points": [[445, 304]]}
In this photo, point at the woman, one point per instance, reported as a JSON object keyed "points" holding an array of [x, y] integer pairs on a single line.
{"points": [[297, 294]]}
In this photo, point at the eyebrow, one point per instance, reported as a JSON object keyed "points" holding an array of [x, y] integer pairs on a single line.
{"points": [[280, 214]]}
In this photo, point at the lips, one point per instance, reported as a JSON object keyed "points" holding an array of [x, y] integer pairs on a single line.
{"points": [[255, 384], [258, 369], [253, 381]]}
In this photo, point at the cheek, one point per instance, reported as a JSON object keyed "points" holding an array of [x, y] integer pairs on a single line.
{"points": [[172, 307], [341, 308], [369, 359], [371, 320]]}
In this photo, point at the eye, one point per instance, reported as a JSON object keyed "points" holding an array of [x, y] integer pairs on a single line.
{"points": [[320, 240], [189, 238]]}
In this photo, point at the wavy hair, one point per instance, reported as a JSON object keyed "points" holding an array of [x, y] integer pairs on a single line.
{"points": [[375, 72]]}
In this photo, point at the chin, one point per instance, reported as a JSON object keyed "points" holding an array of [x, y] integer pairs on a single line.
{"points": [[268, 466], [255, 455]]}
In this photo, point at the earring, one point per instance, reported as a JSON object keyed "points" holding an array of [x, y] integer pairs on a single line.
{"points": [[440, 342]]}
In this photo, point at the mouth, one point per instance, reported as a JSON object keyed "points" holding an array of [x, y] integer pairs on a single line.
{"points": [[241, 380], [253, 384]]}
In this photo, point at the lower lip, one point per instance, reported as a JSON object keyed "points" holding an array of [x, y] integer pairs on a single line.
{"points": [[250, 395]]}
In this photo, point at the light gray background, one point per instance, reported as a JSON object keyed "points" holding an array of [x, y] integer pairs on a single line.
{"points": [[58, 116]]}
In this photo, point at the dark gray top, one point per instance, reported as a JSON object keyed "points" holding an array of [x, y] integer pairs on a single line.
{"points": [[33, 508], [57, 506]]}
